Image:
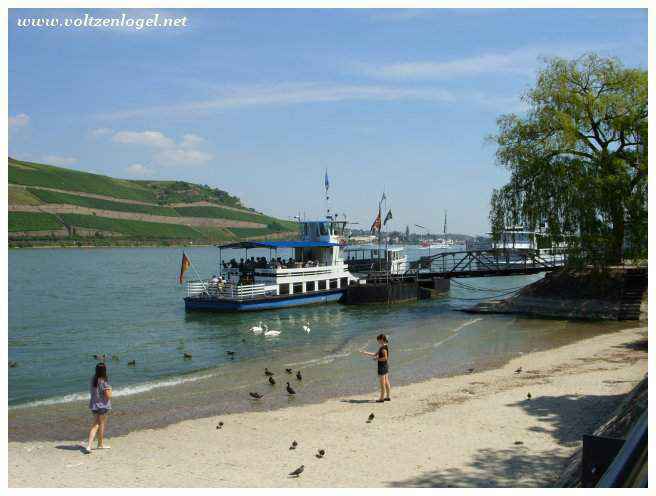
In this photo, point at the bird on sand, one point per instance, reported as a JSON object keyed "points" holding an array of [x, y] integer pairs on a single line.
{"points": [[320, 453], [518, 370], [294, 444], [132, 363], [528, 396], [187, 355], [306, 327], [258, 329], [371, 418], [271, 333], [272, 381], [298, 471], [289, 371], [299, 376], [219, 425], [290, 389], [257, 396], [267, 371]]}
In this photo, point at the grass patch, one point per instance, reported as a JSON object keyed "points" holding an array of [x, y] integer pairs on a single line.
{"points": [[33, 221], [48, 176], [20, 196], [133, 228], [84, 201]]}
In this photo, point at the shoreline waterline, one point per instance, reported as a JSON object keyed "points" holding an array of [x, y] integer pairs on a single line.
{"points": [[206, 393]]}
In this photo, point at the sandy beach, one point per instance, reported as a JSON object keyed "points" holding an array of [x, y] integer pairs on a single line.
{"points": [[478, 430]]}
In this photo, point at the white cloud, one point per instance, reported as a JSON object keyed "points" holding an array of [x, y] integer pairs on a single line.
{"points": [[18, 121], [139, 170], [166, 151], [182, 156], [148, 138], [191, 141], [289, 94], [101, 131], [59, 160], [522, 61]]}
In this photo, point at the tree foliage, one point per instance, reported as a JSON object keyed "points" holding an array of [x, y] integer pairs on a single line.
{"points": [[578, 159]]}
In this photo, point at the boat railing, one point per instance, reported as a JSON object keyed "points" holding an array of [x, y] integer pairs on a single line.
{"points": [[226, 290]]}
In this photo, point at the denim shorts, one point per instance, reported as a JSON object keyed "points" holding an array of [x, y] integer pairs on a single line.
{"points": [[100, 411]]}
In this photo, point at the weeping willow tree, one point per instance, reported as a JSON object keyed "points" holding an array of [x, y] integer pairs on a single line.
{"points": [[578, 160]]}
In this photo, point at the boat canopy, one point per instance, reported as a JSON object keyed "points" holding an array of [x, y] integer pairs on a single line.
{"points": [[279, 244]]}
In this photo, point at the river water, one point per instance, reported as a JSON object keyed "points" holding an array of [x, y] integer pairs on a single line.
{"points": [[65, 305]]}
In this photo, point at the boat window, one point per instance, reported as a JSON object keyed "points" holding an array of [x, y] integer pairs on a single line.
{"points": [[309, 286], [338, 228], [284, 289], [298, 287], [343, 282], [306, 230], [323, 228], [333, 284], [322, 284]]}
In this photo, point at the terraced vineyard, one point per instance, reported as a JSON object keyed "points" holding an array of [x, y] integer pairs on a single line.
{"points": [[75, 207]]}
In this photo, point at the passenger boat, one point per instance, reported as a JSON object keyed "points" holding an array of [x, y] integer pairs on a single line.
{"points": [[316, 273]]}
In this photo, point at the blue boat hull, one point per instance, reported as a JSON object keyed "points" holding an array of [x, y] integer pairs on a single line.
{"points": [[216, 305]]}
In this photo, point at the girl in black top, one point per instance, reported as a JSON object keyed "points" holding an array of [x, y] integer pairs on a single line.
{"points": [[382, 358]]}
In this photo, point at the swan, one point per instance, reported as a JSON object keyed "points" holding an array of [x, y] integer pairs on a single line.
{"points": [[271, 333], [258, 328], [306, 327]]}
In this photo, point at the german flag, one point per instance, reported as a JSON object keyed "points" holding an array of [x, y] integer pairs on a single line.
{"points": [[375, 227], [184, 266]]}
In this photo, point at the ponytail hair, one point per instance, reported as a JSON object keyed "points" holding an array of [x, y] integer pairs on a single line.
{"points": [[383, 338]]}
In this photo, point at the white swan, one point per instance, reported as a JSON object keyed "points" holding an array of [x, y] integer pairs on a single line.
{"points": [[271, 333], [306, 327], [258, 328]]}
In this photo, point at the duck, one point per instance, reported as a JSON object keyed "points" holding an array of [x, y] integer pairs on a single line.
{"points": [[132, 363], [13, 364], [257, 396], [289, 371], [272, 381], [321, 453], [267, 371], [290, 389], [298, 471], [294, 444], [299, 376], [306, 327], [187, 355], [371, 417]]}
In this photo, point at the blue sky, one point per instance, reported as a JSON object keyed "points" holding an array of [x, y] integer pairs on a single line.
{"points": [[261, 102]]}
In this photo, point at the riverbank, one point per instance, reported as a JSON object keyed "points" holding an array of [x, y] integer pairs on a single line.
{"points": [[477, 429], [620, 293]]}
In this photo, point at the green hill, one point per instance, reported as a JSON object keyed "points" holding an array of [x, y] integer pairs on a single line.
{"points": [[55, 205]]}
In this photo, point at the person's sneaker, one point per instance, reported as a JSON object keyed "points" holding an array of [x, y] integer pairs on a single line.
{"points": [[104, 447], [85, 450], [387, 399]]}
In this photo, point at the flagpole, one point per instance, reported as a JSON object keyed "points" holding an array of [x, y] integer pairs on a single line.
{"points": [[193, 267]]}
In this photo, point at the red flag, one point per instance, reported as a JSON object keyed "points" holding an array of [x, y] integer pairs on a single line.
{"points": [[184, 266], [376, 225]]}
